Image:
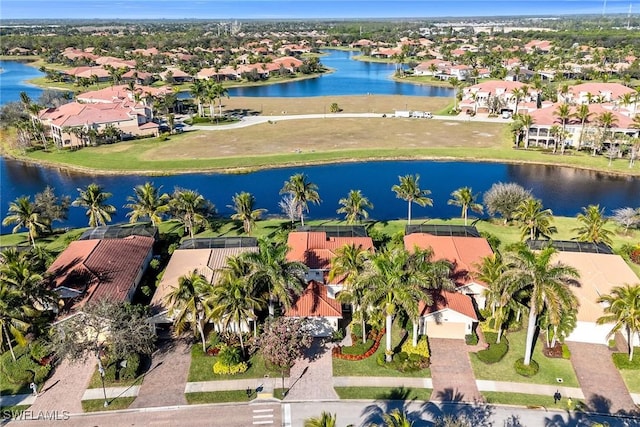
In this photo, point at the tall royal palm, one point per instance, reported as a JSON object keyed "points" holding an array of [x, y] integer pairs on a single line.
{"points": [[13, 321], [545, 281], [465, 198], [349, 264], [147, 202], [198, 91], [583, 114], [324, 420], [622, 308], [244, 205], [563, 113], [191, 209], [534, 220], [303, 193], [25, 214], [399, 279], [274, 275], [354, 207], [606, 120], [409, 190], [188, 302], [94, 200], [234, 302], [593, 226]]}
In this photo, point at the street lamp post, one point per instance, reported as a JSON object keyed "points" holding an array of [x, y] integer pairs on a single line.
{"points": [[104, 390]]}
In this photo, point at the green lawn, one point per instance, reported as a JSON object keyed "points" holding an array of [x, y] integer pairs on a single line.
{"points": [[528, 400], [218, 397], [550, 369], [369, 367], [96, 381], [631, 378], [384, 393], [114, 404], [201, 368]]}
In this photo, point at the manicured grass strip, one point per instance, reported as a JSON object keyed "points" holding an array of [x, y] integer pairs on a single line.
{"points": [[386, 393], [528, 400], [97, 405], [631, 378], [218, 397], [621, 360], [550, 369], [96, 381], [201, 368]]}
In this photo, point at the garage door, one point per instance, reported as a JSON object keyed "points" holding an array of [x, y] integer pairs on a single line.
{"points": [[446, 330]]}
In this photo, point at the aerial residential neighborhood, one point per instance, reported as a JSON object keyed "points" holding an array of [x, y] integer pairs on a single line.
{"points": [[320, 222]]}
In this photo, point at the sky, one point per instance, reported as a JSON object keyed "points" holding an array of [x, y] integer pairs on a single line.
{"points": [[300, 9]]}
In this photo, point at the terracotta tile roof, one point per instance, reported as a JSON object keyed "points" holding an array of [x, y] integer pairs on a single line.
{"points": [[492, 86], [314, 302], [455, 301], [105, 268], [547, 117], [76, 114], [463, 252], [599, 273], [615, 89], [315, 249]]}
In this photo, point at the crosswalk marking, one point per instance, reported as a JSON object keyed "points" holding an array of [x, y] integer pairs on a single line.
{"points": [[286, 409], [259, 416]]}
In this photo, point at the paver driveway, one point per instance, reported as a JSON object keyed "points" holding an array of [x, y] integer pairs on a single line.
{"points": [[64, 390], [164, 384], [311, 378], [451, 371], [601, 383]]}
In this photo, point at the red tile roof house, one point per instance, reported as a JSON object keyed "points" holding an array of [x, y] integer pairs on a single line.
{"points": [[589, 93], [316, 250], [453, 314], [95, 269], [477, 97]]}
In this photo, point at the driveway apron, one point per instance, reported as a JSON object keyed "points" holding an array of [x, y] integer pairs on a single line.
{"points": [[603, 387], [451, 371]]}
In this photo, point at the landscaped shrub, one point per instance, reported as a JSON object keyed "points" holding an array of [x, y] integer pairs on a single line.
{"points": [[495, 352], [635, 256], [621, 360], [338, 353], [566, 353], [229, 356], [471, 339], [422, 349], [524, 370], [41, 374], [359, 348], [222, 369], [129, 370]]}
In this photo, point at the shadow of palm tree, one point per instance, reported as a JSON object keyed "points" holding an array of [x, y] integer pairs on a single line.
{"points": [[579, 419], [397, 398], [477, 414]]}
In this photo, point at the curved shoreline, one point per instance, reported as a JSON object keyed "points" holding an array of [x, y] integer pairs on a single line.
{"points": [[246, 170]]}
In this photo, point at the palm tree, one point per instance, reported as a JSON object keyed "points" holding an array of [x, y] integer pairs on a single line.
{"points": [[409, 190], [25, 214], [465, 198], [593, 226], [563, 112], [454, 82], [233, 299], [397, 418], [13, 321], [606, 120], [243, 204], [350, 263], [188, 302], [622, 308], [399, 279], [354, 206], [534, 220], [498, 297], [191, 209], [147, 202], [274, 275], [94, 199], [583, 114], [526, 121], [545, 282], [518, 94], [22, 276], [324, 420], [302, 191]]}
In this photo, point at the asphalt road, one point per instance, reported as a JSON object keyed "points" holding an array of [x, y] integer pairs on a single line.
{"points": [[358, 413]]}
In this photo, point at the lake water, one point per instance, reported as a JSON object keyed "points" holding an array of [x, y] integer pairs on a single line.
{"points": [[12, 81], [564, 190]]}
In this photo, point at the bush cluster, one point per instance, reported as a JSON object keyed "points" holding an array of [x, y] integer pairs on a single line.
{"points": [[621, 360], [524, 370], [422, 349], [220, 368], [119, 370], [495, 352], [25, 369], [338, 351], [635, 255], [359, 348], [404, 362], [471, 339]]}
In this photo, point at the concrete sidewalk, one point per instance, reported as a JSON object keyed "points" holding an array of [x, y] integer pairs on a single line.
{"points": [[230, 385], [112, 392]]}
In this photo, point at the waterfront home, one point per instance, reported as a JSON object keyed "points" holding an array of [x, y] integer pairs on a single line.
{"points": [[98, 73], [318, 305], [94, 269], [481, 96], [590, 93], [206, 257]]}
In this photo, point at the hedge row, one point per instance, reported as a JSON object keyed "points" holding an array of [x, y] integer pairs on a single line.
{"points": [[495, 352], [337, 351]]}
